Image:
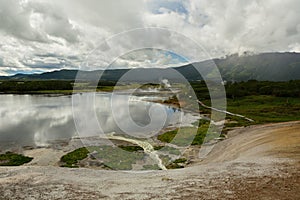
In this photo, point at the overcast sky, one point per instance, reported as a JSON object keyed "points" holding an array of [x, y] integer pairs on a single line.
{"points": [[40, 35]]}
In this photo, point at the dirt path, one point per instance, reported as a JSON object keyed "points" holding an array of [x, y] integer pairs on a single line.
{"points": [[259, 162]]}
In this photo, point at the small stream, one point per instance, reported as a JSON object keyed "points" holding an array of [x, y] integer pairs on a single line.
{"points": [[148, 148], [224, 111]]}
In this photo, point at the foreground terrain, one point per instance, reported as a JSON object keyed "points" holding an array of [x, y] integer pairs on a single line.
{"points": [[258, 162]]}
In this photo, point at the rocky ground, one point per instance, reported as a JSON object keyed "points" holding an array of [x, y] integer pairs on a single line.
{"points": [[258, 162]]}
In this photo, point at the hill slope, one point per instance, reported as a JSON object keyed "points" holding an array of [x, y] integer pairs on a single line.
{"points": [[266, 66]]}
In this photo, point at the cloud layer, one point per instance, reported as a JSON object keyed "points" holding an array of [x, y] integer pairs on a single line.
{"points": [[40, 35]]}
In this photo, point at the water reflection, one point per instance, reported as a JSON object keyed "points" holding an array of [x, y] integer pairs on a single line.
{"points": [[39, 120]]}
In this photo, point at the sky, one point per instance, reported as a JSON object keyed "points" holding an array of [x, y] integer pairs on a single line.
{"points": [[40, 35]]}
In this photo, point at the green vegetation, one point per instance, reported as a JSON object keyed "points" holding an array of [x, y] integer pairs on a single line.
{"points": [[13, 159], [149, 86], [251, 88], [200, 122], [151, 167], [71, 159], [53, 86], [173, 100], [262, 101], [266, 66], [165, 159], [167, 149], [131, 148], [200, 90], [188, 135], [174, 166], [33, 86], [180, 160], [157, 148], [116, 158], [264, 109]]}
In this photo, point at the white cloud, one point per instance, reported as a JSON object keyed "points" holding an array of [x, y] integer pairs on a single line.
{"points": [[66, 31], [14, 20], [248, 25], [148, 58], [295, 47]]}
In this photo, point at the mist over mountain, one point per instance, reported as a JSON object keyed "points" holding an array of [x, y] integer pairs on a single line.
{"points": [[265, 66]]}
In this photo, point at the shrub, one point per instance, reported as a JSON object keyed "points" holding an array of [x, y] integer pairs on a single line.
{"points": [[12, 159], [71, 159]]}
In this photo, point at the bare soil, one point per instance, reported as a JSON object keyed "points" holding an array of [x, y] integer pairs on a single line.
{"points": [[258, 162]]}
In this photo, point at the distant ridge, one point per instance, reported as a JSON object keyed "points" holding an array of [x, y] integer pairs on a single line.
{"points": [[265, 66]]}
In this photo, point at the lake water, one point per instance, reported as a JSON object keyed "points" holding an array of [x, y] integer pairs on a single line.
{"points": [[39, 120]]}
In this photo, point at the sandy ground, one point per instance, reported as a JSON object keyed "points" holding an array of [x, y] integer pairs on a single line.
{"points": [[259, 162], [44, 156]]}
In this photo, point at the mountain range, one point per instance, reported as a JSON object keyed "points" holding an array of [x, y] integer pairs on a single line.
{"points": [[263, 67]]}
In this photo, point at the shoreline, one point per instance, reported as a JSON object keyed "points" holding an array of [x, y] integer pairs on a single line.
{"points": [[262, 161], [41, 154]]}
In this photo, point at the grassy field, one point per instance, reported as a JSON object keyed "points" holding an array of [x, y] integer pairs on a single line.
{"points": [[264, 109], [111, 157], [120, 158], [186, 136]]}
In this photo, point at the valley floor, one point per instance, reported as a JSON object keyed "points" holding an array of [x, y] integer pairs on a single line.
{"points": [[257, 162]]}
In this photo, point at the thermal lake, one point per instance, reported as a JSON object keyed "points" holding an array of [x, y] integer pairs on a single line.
{"points": [[40, 120]]}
